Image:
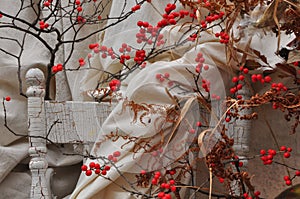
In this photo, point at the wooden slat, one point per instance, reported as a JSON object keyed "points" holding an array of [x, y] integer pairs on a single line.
{"points": [[75, 122]]}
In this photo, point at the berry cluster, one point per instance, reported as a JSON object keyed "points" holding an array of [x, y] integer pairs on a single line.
{"points": [[286, 151], [47, 3], [96, 168], [148, 34], [256, 195], [114, 85], [43, 25], [114, 157], [211, 18], [200, 61], [260, 78], [57, 68], [81, 62], [223, 36], [267, 156], [165, 186], [136, 7], [238, 80]]}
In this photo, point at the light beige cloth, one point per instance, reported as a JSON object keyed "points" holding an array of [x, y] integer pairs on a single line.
{"points": [[143, 87]]}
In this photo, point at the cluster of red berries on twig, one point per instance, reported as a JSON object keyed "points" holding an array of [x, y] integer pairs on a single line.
{"points": [[166, 186], [148, 34], [47, 3], [96, 168], [162, 77], [211, 18], [238, 80], [81, 62], [43, 25], [267, 156], [57, 68], [247, 196], [200, 63], [136, 7], [114, 84]]}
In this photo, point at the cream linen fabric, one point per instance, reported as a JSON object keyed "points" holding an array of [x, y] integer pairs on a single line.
{"points": [[142, 87], [14, 149]]}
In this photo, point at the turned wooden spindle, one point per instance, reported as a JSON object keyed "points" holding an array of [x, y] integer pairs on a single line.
{"points": [[37, 133], [240, 131]]}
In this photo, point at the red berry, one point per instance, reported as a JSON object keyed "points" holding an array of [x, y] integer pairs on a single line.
{"points": [[286, 178], [88, 172], [92, 165], [154, 181], [283, 148], [143, 172], [227, 119], [172, 182], [199, 124], [262, 152], [116, 153], [97, 166], [84, 168], [235, 79], [268, 79], [288, 182], [104, 172], [192, 131], [107, 167], [286, 154], [289, 149], [79, 8], [221, 180], [161, 194], [241, 77], [297, 173], [7, 98], [245, 70], [256, 193], [97, 171], [173, 188]]}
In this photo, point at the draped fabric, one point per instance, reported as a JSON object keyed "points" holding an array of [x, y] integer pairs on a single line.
{"points": [[142, 86]]}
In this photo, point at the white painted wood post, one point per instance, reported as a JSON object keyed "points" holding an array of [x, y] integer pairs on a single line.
{"points": [[240, 131], [37, 132]]}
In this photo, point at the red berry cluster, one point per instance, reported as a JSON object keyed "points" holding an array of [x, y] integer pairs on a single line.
{"points": [[162, 77], [223, 36], [166, 186], [114, 157], [200, 61], [238, 81], [136, 7], [193, 37], [57, 68], [78, 8], [114, 84], [124, 49], [80, 19], [96, 168], [206, 85], [211, 18], [286, 150], [103, 50], [47, 3], [43, 25], [260, 78], [148, 34], [267, 157], [256, 194], [279, 86], [81, 62]]}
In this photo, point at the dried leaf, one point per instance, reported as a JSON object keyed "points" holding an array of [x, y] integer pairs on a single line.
{"points": [[287, 68]]}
